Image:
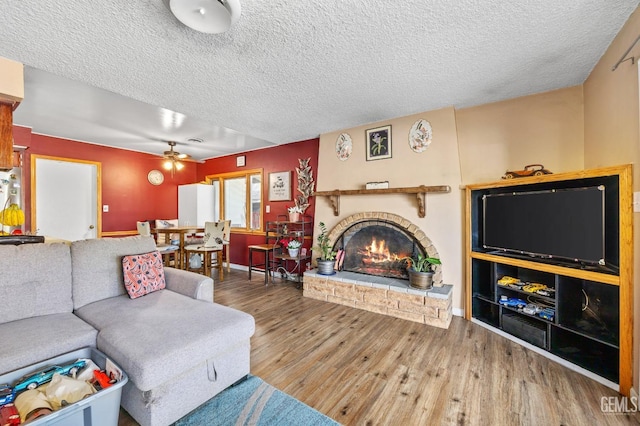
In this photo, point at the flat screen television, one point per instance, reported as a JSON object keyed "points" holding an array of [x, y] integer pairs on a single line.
{"points": [[562, 224]]}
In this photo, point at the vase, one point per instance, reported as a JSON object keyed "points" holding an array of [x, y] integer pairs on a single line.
{"points": [[294, 217], [293, 252]]}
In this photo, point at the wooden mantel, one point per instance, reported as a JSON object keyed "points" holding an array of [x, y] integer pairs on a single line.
{"points": [[419, 191]]}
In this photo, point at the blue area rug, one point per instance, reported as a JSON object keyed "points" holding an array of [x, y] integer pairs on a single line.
{"points": [[254, 402]]}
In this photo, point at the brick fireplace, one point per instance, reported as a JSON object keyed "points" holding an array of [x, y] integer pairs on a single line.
{"points": [[375, 280]]}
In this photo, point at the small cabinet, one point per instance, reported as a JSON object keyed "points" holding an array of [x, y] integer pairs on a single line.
{"points": [[290, 266]]}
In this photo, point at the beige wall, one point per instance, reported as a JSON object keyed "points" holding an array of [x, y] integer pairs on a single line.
{"points": [[612, 127], [545, 128], [469, 146], [11, 80], [438, 165]]}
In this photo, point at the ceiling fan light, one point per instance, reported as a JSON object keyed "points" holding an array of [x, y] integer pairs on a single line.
{"points": [[206, 16], [167, 165], [179, 165]]}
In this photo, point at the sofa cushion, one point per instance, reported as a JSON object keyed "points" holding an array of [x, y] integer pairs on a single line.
{"points": [[159, 336], [97, 266], [143, 273], [31, 340], [35, 280]]}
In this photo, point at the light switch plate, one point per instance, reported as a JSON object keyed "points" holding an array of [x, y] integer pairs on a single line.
{"points": [[636, 202]]}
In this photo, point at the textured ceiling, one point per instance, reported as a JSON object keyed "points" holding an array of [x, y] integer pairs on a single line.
{"points": [[287, 70]]}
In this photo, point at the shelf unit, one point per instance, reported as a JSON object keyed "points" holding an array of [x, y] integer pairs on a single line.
{"points": [[301, 231], [593, 323]]}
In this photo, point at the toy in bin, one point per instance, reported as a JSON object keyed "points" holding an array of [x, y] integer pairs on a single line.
{"points": [[43, 376], [102, 379], [9, 415], [7, 395]]}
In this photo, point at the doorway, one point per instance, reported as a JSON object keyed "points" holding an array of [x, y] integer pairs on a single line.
{"points": [[66, 195]]}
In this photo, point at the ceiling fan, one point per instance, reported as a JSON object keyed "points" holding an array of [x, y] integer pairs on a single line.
{"points": [[172, 159]]}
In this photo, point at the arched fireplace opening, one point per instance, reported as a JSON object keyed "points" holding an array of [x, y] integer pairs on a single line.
{"points": [[378, 248], [360, 232]]}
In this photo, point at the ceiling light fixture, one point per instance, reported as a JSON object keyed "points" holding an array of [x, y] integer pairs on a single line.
{"points": [[206, 16]]}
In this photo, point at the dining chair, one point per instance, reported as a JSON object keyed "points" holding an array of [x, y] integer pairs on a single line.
{"points": [[213, 242], [167, 223], [167, 250], [226, 241]]}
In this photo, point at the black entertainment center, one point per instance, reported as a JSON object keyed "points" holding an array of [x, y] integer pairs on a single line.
{"points": [[548, 262]]}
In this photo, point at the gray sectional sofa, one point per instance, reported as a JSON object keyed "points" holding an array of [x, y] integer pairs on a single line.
{"points": [[177, 347]]}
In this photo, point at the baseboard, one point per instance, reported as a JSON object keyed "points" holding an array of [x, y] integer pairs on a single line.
{"points": [[239, 267]]}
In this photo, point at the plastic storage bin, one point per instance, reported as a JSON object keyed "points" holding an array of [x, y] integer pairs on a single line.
{"points": [[102, 408]]}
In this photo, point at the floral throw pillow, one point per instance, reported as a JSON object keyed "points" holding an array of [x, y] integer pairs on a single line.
{"points": [[143, 273]]}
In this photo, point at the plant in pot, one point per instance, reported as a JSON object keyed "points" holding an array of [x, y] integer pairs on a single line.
{"points": [[420, 269], [294, 213], [327, 255], [292, 246]]}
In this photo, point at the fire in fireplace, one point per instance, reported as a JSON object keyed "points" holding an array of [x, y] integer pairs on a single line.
{"points": [[378, 248]]}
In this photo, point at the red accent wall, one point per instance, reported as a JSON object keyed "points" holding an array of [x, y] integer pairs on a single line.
{"points": [[131, 197], [125, 187], [276, 159]]}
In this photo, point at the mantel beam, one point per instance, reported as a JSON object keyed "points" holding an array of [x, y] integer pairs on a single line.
{"points": [[420, 192]]}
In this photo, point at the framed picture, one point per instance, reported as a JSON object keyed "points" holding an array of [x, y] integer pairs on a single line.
{"points": [[378, 143], [280, 186]]}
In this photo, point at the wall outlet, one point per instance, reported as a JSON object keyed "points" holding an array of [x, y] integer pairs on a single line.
{"points": [[105, 208]]}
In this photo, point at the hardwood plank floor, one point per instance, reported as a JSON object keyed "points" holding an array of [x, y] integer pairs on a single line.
{"points": [[362, 368]]}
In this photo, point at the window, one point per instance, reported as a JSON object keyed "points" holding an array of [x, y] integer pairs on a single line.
{"points": [[240, 199]]}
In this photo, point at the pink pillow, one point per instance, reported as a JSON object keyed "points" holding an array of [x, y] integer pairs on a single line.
{"points": [[143, 273]]}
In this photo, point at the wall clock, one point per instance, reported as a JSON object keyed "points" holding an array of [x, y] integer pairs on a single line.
{"points": [[155, 177]]}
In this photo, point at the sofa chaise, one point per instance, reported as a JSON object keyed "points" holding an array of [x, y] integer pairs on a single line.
{"points": [[176, 345]]}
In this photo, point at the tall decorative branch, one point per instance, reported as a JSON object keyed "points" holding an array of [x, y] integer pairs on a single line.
{"points": [[305, 184]]}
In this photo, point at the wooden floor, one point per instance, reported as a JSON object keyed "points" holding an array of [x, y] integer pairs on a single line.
{"points": [[361, 368]]}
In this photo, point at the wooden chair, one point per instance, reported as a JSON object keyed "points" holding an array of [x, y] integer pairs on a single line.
{"points": [[226, 240], [267, 250], [213, 243], [167, 250], [163, 224]]}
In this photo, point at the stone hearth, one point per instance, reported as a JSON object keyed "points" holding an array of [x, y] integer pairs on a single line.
{"points": [[387, 296]]}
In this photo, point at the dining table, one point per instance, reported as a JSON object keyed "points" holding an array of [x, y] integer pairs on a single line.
{"points": [[182, 231]]}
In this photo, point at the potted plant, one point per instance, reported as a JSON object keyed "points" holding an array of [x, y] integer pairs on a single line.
{"points": [[420, 269], [294, 213], [327, 255], [292, 246]]}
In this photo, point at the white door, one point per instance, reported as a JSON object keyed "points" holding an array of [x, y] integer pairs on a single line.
{"points": [[65, 198]]}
